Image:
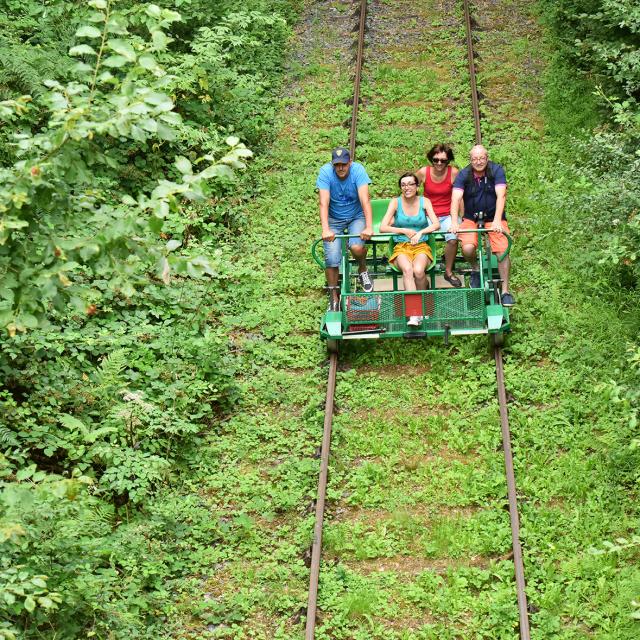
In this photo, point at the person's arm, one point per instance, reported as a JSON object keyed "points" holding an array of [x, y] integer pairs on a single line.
{"points": [[431, 213], [421, 174], [389, 216], [454, 174], [434, 226], [501, 200], [327, 234], [456, 201], [365, 201]]}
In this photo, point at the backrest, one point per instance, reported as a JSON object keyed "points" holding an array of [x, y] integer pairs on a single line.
{"points": [[379, 208]]}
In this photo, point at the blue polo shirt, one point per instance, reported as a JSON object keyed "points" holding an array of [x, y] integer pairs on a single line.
{"points": [[480, 193], [344, 204]]}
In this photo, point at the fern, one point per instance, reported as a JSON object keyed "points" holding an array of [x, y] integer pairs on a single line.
{"points": [[23, 69], [109, 374], [34, 40], [7, 438], [100, 517]]}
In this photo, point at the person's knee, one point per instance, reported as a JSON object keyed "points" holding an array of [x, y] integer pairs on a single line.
{"points": [[358, 250], [420, 271], [407, 269], [469, 250]]}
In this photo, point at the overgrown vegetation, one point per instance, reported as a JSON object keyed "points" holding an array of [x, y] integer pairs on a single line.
{"points": [[162, 395], [601, 210], [124, 127]]}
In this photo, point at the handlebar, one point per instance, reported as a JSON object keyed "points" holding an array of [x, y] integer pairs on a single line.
{"points": [[320, 262]]}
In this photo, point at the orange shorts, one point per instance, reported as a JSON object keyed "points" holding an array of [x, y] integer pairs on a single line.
{"points": [[498, 241], [412, 251]]}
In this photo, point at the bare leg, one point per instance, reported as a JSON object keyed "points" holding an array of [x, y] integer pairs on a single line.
{"points": [[403, 263], [503, 269], [332, 281], [469, 253], [420, 265], [450, 251], [359, 252]]}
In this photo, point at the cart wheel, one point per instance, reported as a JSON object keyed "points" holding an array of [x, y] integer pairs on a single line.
{"points": [[332, 346], [496, 340]]}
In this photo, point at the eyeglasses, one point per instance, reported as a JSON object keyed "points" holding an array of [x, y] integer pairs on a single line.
{"points": [[480, 159], [440, 160], [404, 185]]}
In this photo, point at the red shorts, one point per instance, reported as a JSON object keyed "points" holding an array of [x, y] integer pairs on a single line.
{"points": [[498, 241]]}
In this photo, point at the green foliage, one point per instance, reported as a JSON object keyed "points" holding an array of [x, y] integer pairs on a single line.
{"points": [[64, 220], [34, 39], [116, 367], [124, 416], [228, 80], [602, 37], [605, 190]]}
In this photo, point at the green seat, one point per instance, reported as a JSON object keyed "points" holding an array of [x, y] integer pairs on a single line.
{"points": [[379, 208]]}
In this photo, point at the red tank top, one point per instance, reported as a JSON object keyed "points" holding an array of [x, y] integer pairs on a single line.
{"points": [[439, 193]]}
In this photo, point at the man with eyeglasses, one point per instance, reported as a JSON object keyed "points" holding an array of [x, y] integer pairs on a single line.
{"points": [[344, 206], [482, 187]]}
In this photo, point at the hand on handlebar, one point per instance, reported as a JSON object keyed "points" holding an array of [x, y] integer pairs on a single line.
{"points": [[328, 235], [496, 226], [416, 237], [366, 233]]}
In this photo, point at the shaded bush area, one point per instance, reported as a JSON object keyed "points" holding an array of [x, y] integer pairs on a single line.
{"points": [[603, 39]]}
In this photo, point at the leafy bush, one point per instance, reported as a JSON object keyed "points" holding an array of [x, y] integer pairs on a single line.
{"points": [[64, 218], [602, 207], [602, 36], [116, 366]]}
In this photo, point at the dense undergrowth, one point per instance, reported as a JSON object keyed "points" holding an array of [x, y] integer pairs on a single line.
{"points": [[117, 198], [159, 443]]}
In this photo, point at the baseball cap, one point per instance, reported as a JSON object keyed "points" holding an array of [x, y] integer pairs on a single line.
{"points": [[340, 155]]}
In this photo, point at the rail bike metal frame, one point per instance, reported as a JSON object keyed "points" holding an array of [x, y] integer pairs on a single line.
{"points": [[445, 311]]}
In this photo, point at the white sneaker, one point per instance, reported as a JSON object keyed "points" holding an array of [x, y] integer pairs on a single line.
{"points": [[414, 321], [366, 282]]}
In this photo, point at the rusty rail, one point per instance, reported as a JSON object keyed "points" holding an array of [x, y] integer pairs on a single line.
{"points": [[316, 547], [523, 613]]}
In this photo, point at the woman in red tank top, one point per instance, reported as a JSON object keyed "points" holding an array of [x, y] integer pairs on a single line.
{"points": [[438, 184]]}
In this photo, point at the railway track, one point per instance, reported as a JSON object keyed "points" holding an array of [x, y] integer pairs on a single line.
{"points": [[316, 549]]}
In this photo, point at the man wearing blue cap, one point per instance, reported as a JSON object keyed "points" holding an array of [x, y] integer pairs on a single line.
{"points": [[344, 205]]}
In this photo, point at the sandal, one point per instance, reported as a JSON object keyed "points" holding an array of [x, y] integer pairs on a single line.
{"points": [[453, 280]]}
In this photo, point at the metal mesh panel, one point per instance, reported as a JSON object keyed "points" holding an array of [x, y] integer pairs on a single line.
{"points": [[458, 308]]}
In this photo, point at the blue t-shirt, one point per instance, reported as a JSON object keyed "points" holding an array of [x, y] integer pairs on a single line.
{"points": [[344, 204], [480, 193]]}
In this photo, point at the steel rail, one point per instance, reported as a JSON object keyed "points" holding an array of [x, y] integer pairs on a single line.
{"points": [[472, 73], [316, 547], [523, 612], [356, 81]]}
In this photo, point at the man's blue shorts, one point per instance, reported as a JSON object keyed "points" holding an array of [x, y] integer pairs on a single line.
{"points": [[445, 225], [333, 250]]}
